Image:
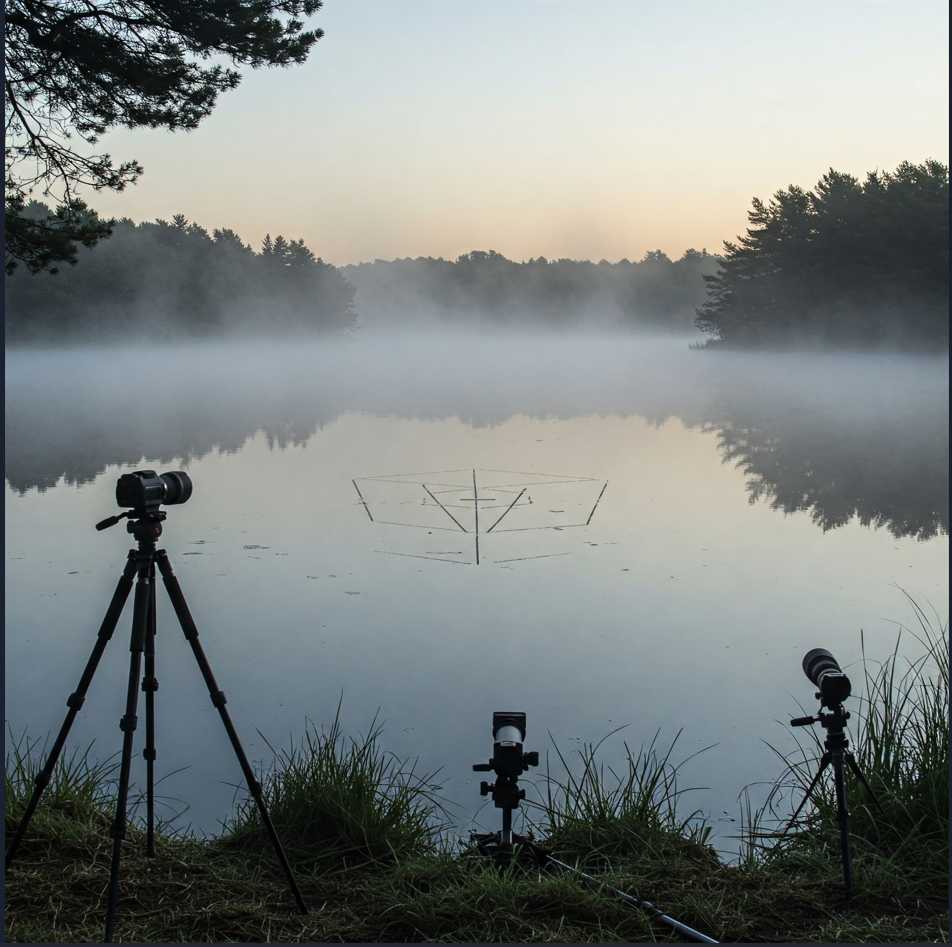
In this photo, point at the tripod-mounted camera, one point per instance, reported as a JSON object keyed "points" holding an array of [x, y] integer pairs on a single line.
{"points": [[833, 688], [145, 491], [508, 762]]}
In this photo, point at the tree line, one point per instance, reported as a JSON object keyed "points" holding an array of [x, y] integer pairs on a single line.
{"points": [[848, 262], [486, 288], [175, 280]]}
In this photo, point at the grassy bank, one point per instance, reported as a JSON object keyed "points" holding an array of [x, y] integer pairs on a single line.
{"points": [[368, 841]]}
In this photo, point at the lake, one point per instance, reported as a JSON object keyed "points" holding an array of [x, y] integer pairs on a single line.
{"points": [[601, 532]]}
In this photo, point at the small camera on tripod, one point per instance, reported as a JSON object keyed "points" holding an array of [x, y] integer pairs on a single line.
{"points": [[508, 762], [145, 491], [833, 687]]}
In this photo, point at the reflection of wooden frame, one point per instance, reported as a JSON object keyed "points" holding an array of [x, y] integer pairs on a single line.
{"points": [[444, 487]]}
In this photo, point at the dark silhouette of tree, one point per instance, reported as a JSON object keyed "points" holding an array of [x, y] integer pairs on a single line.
{"points": [[305, 292], [76, 68], [846, 262]]}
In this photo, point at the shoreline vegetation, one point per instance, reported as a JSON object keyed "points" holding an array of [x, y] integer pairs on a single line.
{"points": [[377, 861], [848, 264]]}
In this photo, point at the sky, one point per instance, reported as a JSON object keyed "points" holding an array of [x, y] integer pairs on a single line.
{"points": [[583, 129]]}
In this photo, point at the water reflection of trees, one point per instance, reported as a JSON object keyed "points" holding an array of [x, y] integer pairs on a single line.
{"points": [[895, 477], [824, 441], [847, 439]]}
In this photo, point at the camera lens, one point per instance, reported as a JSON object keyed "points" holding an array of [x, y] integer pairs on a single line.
{"points": [[509, 725], [178, 487], [823, 670], [818, 661]]}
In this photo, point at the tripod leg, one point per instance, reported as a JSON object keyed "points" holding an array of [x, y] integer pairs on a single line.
{"points": [[219, 701], [843, 817], [145, 593], [76, 700], [858, 773], [149, 686], [824, 762]]}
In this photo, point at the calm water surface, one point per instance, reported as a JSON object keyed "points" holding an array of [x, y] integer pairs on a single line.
{"points": [[602, 533]]}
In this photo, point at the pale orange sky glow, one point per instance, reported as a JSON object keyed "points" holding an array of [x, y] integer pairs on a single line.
{"points": [[564, 129]]}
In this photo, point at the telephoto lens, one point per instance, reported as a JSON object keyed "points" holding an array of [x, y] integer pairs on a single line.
{"points": [[823, 670]]}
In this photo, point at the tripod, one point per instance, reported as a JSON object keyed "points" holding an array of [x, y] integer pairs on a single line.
{"points": [[146, 527], [836, 745]]}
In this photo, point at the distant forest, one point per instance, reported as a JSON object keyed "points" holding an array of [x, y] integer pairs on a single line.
{"points": [[848, 262], [175, 280], [486, 288]]}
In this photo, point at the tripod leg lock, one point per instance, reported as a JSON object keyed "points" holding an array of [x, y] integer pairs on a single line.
{"points": [[150, 684], [218, 699], [149, 754], [75, 701], [128, 722]]}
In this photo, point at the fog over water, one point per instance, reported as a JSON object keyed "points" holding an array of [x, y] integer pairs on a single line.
{"points": [[602, 531]]}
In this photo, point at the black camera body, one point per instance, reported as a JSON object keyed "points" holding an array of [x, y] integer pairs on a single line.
{"points": [[145, 490], [509, 732], [833, 686], [509, 761]]}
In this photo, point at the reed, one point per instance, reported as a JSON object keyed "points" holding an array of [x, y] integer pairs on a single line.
{"points": [[603, 811], [75, 802], [342, 802]]}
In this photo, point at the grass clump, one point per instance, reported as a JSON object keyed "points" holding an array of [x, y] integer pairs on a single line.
{"points": [[76, 801], [339, 802], [902, 746], [605, 813]]}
